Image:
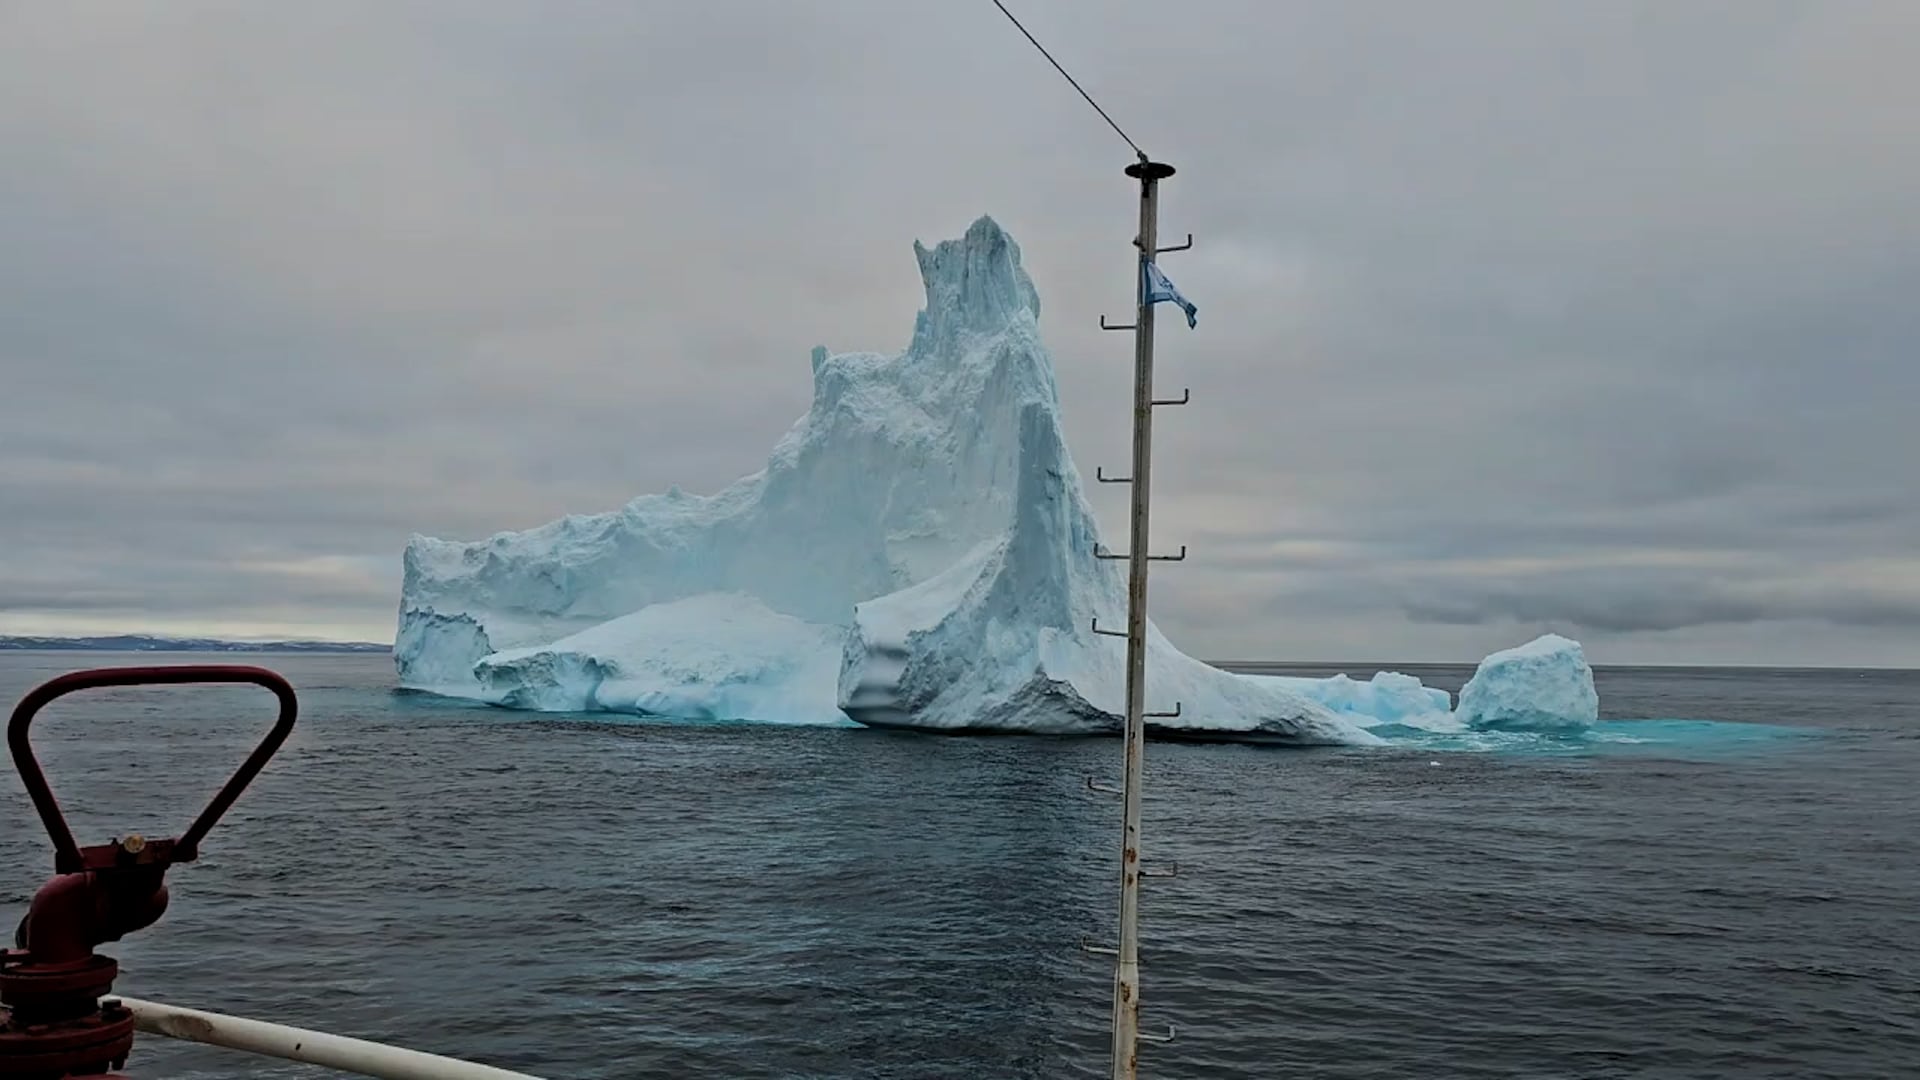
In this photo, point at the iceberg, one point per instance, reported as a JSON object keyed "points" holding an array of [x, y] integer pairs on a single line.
{"points": [[1544, 685], [918, 552]]}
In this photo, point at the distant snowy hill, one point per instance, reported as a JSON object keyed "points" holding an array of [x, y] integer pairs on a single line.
{"points": [[146, 643]]}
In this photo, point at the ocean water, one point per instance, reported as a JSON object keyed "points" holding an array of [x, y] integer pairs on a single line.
{"points": [[586, 898]]}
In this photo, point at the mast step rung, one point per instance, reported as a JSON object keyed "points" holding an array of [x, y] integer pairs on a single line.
{"points": [[1121, 556], [1106, 633], [1087, 946]]}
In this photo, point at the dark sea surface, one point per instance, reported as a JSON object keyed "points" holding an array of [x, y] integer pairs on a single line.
{"points": [[584, 897]]}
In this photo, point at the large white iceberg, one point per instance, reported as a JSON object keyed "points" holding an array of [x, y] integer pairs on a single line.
{"points": [[1544, 685], [917, 552]]}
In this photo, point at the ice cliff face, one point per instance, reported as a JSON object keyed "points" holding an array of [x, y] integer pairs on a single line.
{"points": [[917, 552]]}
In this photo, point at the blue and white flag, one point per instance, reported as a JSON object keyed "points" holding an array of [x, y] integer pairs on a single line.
{"points": [[1158, 288]]}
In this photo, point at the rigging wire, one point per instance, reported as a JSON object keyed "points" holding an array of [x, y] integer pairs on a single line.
{"points": [[1070, 79]]}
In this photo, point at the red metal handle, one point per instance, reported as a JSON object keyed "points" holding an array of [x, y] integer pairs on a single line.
{"points": [[66, 852]]}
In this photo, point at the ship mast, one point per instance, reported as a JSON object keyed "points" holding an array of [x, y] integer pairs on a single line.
{"points": [[1151, 287], [1126, 972]]}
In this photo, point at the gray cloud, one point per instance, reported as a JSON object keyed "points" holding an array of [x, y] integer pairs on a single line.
{"points": [[1618, 603], [1513, 315]]}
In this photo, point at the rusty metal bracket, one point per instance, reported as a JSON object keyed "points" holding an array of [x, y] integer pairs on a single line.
{"points": [[67, 856], [52, 1021]]}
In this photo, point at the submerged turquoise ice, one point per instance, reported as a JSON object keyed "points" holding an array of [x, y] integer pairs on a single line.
{"points": [[1537, 698], [1689, 739]]}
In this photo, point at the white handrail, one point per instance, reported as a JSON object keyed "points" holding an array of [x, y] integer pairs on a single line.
{"points": [[357, 1056]]}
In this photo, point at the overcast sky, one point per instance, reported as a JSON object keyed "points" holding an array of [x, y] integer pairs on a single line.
{"points": [[1597, 317]]}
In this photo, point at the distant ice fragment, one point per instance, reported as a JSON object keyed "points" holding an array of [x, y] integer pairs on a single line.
{"points": [[1544, 685], [1389, 698]]}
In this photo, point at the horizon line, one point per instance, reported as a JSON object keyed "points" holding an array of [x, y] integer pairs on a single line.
{"points": [[1376, 665]]}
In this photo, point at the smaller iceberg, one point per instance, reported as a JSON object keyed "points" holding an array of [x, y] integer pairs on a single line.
{"points": [[1544, 685]]}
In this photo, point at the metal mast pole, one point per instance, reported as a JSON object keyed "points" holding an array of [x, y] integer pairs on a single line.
{"points": [[1126, 974]]}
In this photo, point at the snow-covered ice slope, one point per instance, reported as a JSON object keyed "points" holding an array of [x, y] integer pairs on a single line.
{"points": [[1390, 697], [717, 656], [917, 552]]}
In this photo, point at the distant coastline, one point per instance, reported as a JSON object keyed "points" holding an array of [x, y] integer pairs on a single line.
{"points": [[148, 643]]}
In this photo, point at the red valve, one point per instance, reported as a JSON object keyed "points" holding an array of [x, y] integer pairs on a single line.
{"points": [[52, 1024]]}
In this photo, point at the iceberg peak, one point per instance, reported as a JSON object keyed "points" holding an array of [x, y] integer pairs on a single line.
{"points": [[974, 284]]}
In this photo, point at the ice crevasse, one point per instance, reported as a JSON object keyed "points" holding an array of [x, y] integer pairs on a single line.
{"points": [[918, 552]]}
